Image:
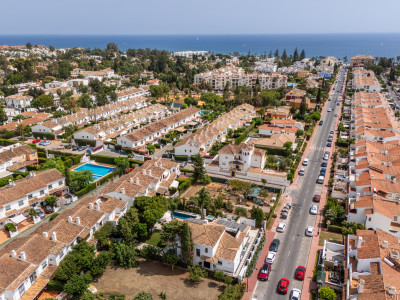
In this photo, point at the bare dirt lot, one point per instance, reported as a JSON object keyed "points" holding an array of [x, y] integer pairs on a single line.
{"points": [[154, 277]]}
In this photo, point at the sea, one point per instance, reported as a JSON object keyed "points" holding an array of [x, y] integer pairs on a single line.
{"points": [[315, 45]]}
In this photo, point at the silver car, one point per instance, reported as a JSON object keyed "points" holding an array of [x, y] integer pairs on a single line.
{"points": [[314, 209]]}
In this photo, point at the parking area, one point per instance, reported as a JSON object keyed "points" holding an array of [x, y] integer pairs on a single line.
{"points": [[155, 278]]}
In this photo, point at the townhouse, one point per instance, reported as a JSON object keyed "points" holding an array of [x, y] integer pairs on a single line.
{"points": [[202, 140], [121, 124], [16, 157], [365, 80], [153, 132], [235, 76], [130, 93], [154, 177], [245, 162], [20, 195], [372, 266], [18, 101]]}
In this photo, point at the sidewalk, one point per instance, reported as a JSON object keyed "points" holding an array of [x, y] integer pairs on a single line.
{"points": [[308, 284]]}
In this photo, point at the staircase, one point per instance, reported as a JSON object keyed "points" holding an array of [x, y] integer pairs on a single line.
{"points": [[250, 243]]}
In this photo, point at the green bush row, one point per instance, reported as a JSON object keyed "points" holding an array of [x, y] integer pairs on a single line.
{"points": [[243, 136], [5, 142], [80, 142], [42, 135], [272, 211]]}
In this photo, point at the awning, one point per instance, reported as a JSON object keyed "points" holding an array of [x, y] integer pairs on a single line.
{"points": [[17, 219]]}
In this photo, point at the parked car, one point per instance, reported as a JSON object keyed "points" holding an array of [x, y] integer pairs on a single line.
{"points": [[322, 171], [274, 245], [89, 150], [329, 109], [314, 209], [321, 123], [305, 162], [317, 198], [283, 285], [284, 215], [295, 294], [331, 132], [300, 272], [263, 274], [309, 231], [270, 258], [48, 209], [330, 139], [326, 156], [281, 227], [328, 145], [40, 213], [288, 205], [338, 104], [302, 172], [324, 164], [36, 141], [320, 179]]}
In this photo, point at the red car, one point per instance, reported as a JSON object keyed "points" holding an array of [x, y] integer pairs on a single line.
{"points": [[129, 170], [317, 198], [36, 141], [283, 286], [300, 272], [264, 272]]}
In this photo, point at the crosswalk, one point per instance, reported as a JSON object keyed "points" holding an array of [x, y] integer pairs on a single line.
{"points": [[321, 148]]}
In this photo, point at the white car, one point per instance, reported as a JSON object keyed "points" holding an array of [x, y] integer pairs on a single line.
{"points": [[309, 231], [329, 109], [314, 209], [270, 258], [305, 162], [281, 227], [295, 294]]}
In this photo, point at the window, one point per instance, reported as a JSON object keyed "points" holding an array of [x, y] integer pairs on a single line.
{"points": [[60, 182], [50, 186], [21, 202], [206, 250], [197, 252], [62, 253], [30, 196], [220, 262], [21, 289], [42, 192], [8, 207], [44, 265]]}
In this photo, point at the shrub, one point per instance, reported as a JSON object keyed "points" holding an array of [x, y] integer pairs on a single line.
{"points": [[233, 292], [335, 228], [228, 280], [219, 276], [42, 135], [196, 274], [150, 252], [327, 293], [55, 285], [53, 216], [10, 227]]}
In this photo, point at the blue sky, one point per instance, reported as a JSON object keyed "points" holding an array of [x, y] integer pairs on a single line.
{"points": [[198, 17]]}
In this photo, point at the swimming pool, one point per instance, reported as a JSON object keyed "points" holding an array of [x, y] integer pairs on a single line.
{"points": [[98, 171], [183, 216]]}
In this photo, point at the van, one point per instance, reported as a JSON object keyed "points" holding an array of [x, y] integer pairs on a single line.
{"points": [[305, 162]]}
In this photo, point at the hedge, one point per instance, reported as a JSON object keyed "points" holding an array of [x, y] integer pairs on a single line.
{"points": [[81, 142], [186, 170], [181, 157], [55, 285], [243, 136], [42, 135], [53, 216], [90, 187], [335, 228], [5, 142], [103, 159], [135, 161], [274, 151], [42, 160], [272, 211]]}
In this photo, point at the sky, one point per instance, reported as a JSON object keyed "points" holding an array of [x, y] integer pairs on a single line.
{"points": [[198, 17]]}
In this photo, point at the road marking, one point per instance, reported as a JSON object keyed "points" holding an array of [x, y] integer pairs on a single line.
{"points": [[289, 252]]}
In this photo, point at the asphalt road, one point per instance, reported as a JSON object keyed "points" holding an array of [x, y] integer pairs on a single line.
{"points": [[295, 246]]}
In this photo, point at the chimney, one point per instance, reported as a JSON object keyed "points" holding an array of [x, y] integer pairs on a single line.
{"points": [[372, 176], [123, 191], [137, 181], [360, 288], [70, 219], [78, 220], [144, 171], [385, 244], [160, 164], [97, 205], [358, 197], [54, 236], [360, 242], [45, 234], [357, 160], [131, 180], [13, 253], [23, 255], [32, 174], [149, 172], [91, 205]]}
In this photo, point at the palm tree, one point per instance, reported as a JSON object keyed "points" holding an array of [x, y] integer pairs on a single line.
{"points": [[21, 130], [203, 200]]}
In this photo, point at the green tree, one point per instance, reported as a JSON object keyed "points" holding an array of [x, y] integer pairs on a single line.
{"points": [[100, 263], [143, 296], [319, 95], [196, 274], [54, 163], [3, 116], [43, 101], [241, 211], [162, 296], [258, 215], [341, 127], [122, 163], [302, 54], [77, 284], [51, 200], [170, 258], [85, 101], [125, 255], [299, 132], [327, 293], [199, 173], [126, 227], [303, 107], [79, 180]]}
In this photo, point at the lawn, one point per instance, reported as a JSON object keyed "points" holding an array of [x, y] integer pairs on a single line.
{"points": [[154, 277], [154, 238], [330, 237]]}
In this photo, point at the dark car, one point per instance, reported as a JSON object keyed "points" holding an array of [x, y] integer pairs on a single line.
{"points": [[329, 144], [75, 148], [321, 122], [89, 150], [264, 272], [324, 164], [274, 245], [330, 139], [283, 285], [317, 198], [300, 272], [49, 210], [322, 171], [167, 155], [40, 214]]}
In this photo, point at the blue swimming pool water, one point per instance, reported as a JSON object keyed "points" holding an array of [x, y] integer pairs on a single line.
{"points": [[182, 216], [98, 171]]}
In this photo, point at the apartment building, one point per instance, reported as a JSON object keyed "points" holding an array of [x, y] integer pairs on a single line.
{"points": [[153, 132], [365, 80], [361, 61], [372, 266], [203, 139], [235, 76], [91, 75], [190, 54]]}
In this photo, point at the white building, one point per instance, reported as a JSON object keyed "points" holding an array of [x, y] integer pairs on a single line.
{"points": [[18, 101]]}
